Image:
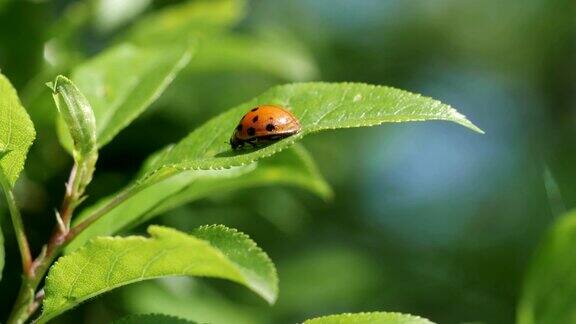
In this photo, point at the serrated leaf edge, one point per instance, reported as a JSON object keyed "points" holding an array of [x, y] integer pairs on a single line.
{"points": [[153, 231], [366, 122], [326, 317], [252, 246]]}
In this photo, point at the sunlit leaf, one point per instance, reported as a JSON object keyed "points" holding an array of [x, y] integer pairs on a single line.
{"points": [[106, 263], [16, 132], [550, 284], [123, 81], [319, 106], [292, 167], [369, 318], [16, 136]]}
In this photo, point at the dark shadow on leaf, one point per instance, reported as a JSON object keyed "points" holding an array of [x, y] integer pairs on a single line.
{"points": [[245, 150]]}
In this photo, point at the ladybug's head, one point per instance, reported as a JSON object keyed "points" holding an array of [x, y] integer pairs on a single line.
{"points": [[235, 142]]}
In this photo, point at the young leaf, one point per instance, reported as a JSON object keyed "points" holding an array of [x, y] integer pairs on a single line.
{"points": [[16, 132], [550, 284], [123, 81], [151, 319], [319, 106], [106, 263], [179, 23], [291, 167], [369, 318], [77, 115]]}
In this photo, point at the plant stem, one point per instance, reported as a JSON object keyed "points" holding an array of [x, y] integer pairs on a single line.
{"points": [[26, 303], [17, 224], [65, 210], [117, 200], [22, 310]]}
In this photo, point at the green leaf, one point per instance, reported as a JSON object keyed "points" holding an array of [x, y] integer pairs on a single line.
{"points": [[369, 318], [16, 136], [106, 263], [16, 132], [550, 284], [319, 106], [185, 21], [292, 167], [255, 267], [77, 116], [77, 128], [152, 319], [123, 81], [2, 252]]}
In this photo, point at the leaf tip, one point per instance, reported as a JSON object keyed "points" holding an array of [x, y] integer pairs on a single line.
{"points": [[53, 85], [475, 128], [462, 120]]}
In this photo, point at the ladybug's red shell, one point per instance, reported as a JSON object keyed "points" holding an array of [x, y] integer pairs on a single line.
{"points": [[264, 124]]}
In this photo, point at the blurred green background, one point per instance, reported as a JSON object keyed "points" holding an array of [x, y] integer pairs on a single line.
{"points": [[427, 218]]}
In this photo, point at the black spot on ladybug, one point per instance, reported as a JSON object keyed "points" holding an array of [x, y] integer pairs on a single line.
{"points": [[251, 131], [239, 127], [255, 119], [254, 109], [270, 127]]}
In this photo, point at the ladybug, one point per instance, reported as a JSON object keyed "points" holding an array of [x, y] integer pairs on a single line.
{"points": [[264, 124]]}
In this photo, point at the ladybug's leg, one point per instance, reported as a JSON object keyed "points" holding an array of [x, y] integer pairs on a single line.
{"points": [[252, 142]]}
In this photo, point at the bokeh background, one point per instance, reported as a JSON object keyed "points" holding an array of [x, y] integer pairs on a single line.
{"points": [[427, 218]]}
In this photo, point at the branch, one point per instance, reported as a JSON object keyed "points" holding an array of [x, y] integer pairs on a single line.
{"points": [[111, 204], [18, 224]]}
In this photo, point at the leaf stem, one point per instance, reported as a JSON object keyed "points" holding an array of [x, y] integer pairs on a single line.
{"points": [[17, 223], [65, 212], [111, 204], [28, 301]]}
